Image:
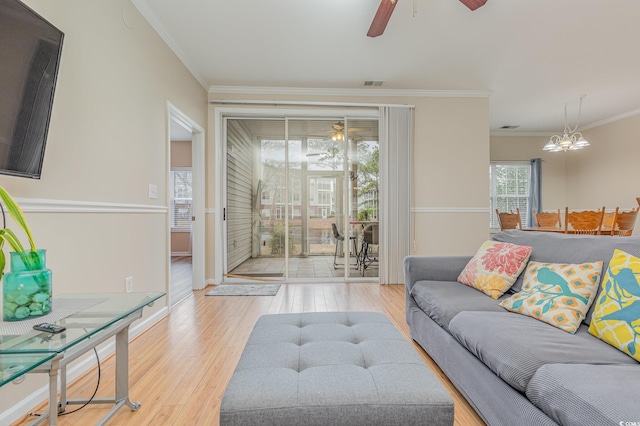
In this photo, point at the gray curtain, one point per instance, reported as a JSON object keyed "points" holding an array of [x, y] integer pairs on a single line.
{"points": [[535, 190]]}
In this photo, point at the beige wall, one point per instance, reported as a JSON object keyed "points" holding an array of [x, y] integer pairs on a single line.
{"points": [[603, 174], [451, 157], [524, 148], [607, 172], [107, 142], [180, 153]]}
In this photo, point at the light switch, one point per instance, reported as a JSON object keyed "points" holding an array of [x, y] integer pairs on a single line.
{"points": [[153, 191]]}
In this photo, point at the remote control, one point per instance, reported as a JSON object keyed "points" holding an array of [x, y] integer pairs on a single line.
{"points": [[49, 328]]}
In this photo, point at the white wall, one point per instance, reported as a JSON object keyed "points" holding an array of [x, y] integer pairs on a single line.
{"points": [[107, 142]]}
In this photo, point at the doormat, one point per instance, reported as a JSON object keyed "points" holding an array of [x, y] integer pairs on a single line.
{"points": [[244, 290]]}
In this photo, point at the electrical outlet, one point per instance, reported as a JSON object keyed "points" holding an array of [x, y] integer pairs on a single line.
{"points": [[128, 284]]}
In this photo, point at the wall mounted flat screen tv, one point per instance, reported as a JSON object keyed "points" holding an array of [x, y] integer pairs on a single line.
{"points": [[30, 49]]}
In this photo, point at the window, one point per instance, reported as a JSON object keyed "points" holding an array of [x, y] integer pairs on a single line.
{"points": [[509, 189], [181, 198]]}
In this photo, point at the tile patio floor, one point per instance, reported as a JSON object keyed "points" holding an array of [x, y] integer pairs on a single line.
{"points": [[302, 267]]}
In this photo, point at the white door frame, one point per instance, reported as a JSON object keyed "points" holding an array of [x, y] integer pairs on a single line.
{"points": [[220, 112], [197, 172]]}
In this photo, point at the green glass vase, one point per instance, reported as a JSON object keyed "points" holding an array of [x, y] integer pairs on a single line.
{"points": [[26, 289]]}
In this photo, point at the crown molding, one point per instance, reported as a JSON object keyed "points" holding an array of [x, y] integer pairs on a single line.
{"points": [[590, 126], [611, 119], [516, 133], [258, 90], [151, 18]]}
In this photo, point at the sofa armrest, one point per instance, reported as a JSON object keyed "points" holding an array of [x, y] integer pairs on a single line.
{"points": [[433, 268]]}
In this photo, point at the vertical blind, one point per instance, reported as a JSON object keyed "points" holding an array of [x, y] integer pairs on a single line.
{"points": [[395, 191]]}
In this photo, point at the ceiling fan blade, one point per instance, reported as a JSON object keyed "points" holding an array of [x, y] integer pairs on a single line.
{"points": [[381, 19], [473, 4]]}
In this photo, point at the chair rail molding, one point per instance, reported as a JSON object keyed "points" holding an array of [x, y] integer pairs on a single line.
{"points": [[450, 210], [42, 205]]}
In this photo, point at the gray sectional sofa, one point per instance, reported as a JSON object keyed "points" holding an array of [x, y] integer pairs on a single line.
{"points": [[513, 369]]}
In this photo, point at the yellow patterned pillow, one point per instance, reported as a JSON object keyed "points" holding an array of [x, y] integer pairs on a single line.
{"points": [[556, 293], [495, 267], [616, 317]]}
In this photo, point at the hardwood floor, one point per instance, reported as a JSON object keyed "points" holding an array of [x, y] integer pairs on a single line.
{"points": [[181, 278], [180, 367]]}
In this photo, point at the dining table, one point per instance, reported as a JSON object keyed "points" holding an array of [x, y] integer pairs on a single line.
{"points": [[606, 230]]}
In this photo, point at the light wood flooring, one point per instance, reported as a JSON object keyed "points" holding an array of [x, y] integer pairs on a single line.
{"points": [[179, 368]]}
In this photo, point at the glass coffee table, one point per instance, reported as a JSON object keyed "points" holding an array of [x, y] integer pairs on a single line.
{"points": [[90, 319], [15, 366]]}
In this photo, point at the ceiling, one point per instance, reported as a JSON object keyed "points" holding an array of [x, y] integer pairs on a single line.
{"points": [[531, 57]]}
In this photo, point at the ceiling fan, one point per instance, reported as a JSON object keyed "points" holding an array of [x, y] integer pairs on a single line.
{"points": [[337, 133], [386, 8]]}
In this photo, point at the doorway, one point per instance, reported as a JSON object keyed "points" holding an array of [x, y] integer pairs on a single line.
{"points": [[289, 181], [185, 195]]}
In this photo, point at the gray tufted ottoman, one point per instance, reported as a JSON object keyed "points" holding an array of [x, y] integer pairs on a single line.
{"points": [[332, 368]]}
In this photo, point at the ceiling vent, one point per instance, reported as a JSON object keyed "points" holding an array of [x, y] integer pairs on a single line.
{"points": [[509, 127], [372, 83]]}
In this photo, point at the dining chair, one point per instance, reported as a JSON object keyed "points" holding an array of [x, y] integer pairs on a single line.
{"points": [[369, 238], [638, 200], [587, 222], [548, 219], [509, 220], [607, 222], [624, 222], [340, 238]]}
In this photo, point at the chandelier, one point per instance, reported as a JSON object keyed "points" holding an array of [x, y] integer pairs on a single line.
{"points": [[571, 139]]}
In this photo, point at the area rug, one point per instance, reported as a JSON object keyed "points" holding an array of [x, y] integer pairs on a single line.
{"points": [[244, 290]]}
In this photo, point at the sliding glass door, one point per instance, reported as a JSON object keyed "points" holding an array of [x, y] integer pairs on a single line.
{"points": [[299, 193]]}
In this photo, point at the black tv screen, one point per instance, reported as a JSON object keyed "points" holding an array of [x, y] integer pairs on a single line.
{"points": [[30, 49]]}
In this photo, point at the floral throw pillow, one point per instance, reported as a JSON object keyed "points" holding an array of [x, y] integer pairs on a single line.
{"points": [[616, 316], [557, 293], [495, 267]]}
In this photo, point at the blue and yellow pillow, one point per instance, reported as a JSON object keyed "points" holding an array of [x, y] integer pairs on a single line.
{"points": [[556, 293], [616, 316]]}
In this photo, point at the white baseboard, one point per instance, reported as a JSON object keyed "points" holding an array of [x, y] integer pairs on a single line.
{"points": [[79, 368], [180, 253]]}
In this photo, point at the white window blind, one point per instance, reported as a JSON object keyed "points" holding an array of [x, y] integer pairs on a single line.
{"points": [[181, 198], [509, 189]]}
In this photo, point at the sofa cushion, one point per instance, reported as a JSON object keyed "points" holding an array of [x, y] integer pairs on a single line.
{"points": [[580, 394], [563, 248], [616, 318], [495, 267], [556, 293], [515, 346], [443, 300]]}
